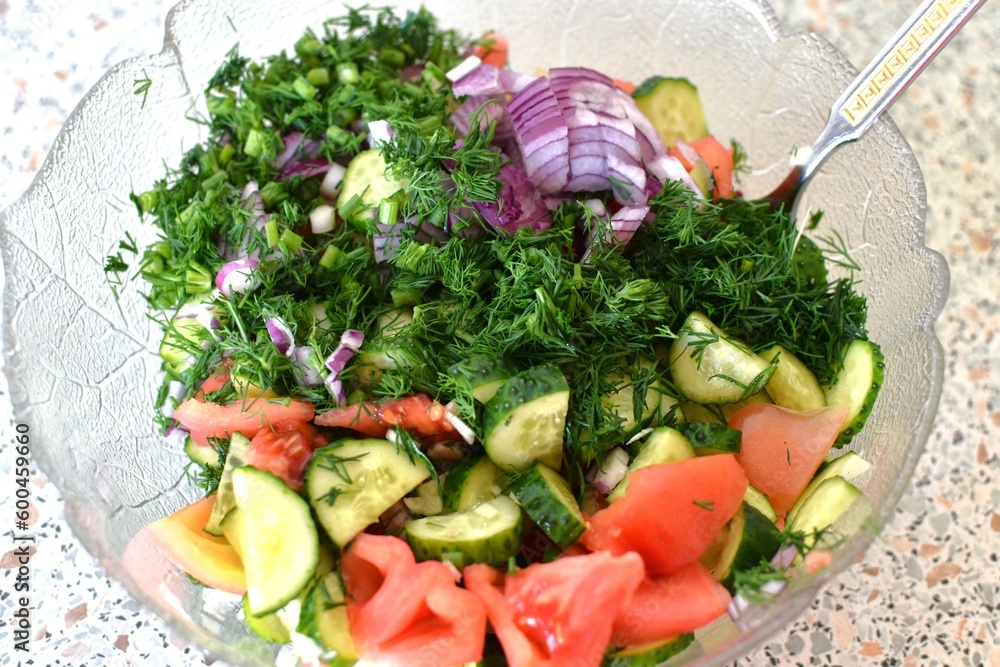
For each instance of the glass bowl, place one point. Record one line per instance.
(81, 356)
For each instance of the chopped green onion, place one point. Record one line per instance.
(147, 201)
(308, 46)
(352, 206)
(220, 105)
(392, 57)
(347, 73)
(318, 76)
(271, 232)
(338, 136)
(388, 211)
(330, 257)
(304, 89)
(213, 181)
(226, 154)
(254, 145)
(199, 279)
(273, 193)
(291, 240)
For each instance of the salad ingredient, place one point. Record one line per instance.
(649, 655)
(710, 438)
(225, 497)
(268, 627)
(547, 499)
(662, 445)
(710, 367)
(716, 159)
(283, 449)
(782, 448)
(324, 620)
(856, 385)
(419, 414)
(211, 560)
(670, 512)
(493, 50)
(750, 538)
(490, 532)
(350, 483)
(611, 472)
(674, 108)
(829, 502)
(406, 613)
(850, 465)
(471, 482)
(206, 420)
(667, 605)
(536, 613)
(759, 502)
(524, 422)
(275, 537)
(792, 385)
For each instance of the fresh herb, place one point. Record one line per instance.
(141, 87)
(209, 476)
(705, 504)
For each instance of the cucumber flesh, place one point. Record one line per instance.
(792, 385)
(368, 179)
(278, 541)
(621, 401)
(490, 532)
(748, 539)
(850, 466)
(759, 502)
(471, 482)
(829, 502)
(481, 376)
(350, 483)
(546, 498)
(856, 385)
(707, 439)
(710, 368)
(203, 455)
(674, 108)
(268, 627)
(324, 619)
(225, 499)
(526, 419)
(662, 445)
(649, 655)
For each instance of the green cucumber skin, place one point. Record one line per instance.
(225, 501)
(761, 539)
(482, 376)
(708, 438)
(648, 655)
(851, 466)
(457, 493)
(546, 510)
(496, 548)
(523, 388)
(878, 375)
(203, 456)
(267, 627)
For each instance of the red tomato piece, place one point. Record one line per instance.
(670, 604)
(283, 449)
(670, 512)
(361, 417)
(211, 420)
(496, 53)
(408, 614)
(559, 613)
(419, 415)
(782, 448)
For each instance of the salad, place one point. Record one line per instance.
(482, 367)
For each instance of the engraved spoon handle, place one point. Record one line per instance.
(885, 78)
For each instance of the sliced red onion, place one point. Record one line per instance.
(380, 132)
(612, 471)
(385, 241)
(350, 342)
(308, 168)
(490, 110)
(280, 335)
(785, 557)
(515, 82)
(460, 426)
(626, 221)
(596, 206)
(536, 106)
(518, 204)
(238, 276)
(175, 435)
(251, 200)
(323, 219)
(462, 69)
(481, 80)
(336, 387)
(668, 168)
(202, 311)
(330, 187)
(306, 366)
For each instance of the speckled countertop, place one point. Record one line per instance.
(927, 594)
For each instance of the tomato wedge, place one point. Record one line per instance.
(283, 449)
(669, 604)
(211, 420)
(425, 418)
(782, 448)
(670, 512)
(558, 613)
(408, 614)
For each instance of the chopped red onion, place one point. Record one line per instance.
(330, 187)
(176, 436)
(596, 207)
(323, 219)
(203, 312)
(460, 426)
(535, 106)
(307, 373)
(251, 200)
(668, 168)
(639, 436)
(626, 221)
(380, 132)
(336, 387)
(280, 335)
(612, 471)
(463, 68)
(238, 276)
(785, 557)
(482, 80)
(518, 205)
(350, 343)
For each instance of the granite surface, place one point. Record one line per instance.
(926, 594)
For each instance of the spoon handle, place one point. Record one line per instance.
(884, 79)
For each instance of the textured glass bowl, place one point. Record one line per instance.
(83, 368)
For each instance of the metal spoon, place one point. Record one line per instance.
(898, 63)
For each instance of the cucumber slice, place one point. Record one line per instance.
(748, 539)
(710, 439)
(367, 178)
(546, 497)
(710, 368)
(350, 483)
(674, 108)
(471, 482)
(808, 262)
(792, 385)
(324, 620)
(856, 385)
(824, 506)
(662, 445)
(268, 627)
(275, 537)
(187, 335)
(649, 655)
(525, 421)
(759, 502)
(850, 466)
(481, 376)
(490, 532)
(621, 401)
(203, 455)
(225, 499)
